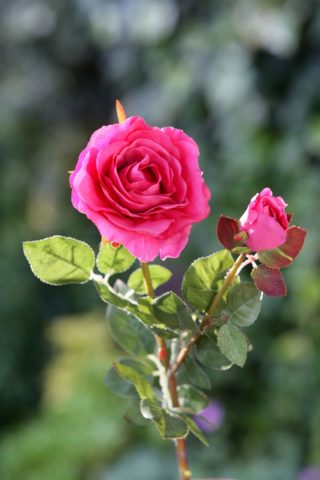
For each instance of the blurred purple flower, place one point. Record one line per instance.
(310, 473)
(211, 418)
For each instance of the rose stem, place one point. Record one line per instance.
(180, 443)
(207, 317)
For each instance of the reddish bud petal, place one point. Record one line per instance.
(284, 255)
(269, 281)
(226, 230)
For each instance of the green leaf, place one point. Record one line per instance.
(143, 366)
(220, 316)
(143, 310)
(109, 295)
(171, 311)
(112, 260)
(244, 303)
(129, 333)
(233, 344)
(195, 374)
(159, 276)
(142, 386)
(192, 399)
(60, 260)
(123, 387)
(118, 295)
(169, 426)
(204, 277)
(195, 429)
(208, 353)
(119, 385)
(133, 412)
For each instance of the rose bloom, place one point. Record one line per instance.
(141, 186)
(265, 221)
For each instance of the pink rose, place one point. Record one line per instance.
(141, 186)
(265, 221)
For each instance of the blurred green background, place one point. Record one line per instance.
(243, 78)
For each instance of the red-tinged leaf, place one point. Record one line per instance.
(226, 230)
(269, 281)
(289, 217)
(284, 255)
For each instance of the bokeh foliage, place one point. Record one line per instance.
(241, 77)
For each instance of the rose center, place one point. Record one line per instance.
(149, 174)
(142, 176)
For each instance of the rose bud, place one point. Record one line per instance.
(265, 221)
(141, 186)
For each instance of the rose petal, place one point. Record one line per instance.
(265, 234)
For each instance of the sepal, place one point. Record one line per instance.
(227, 228)
(284, 255)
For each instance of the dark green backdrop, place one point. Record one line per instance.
(242, 78)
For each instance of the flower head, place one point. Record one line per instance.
(265, 221)
(141, 186)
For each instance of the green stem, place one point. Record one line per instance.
(147, 279)
(180, 443)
